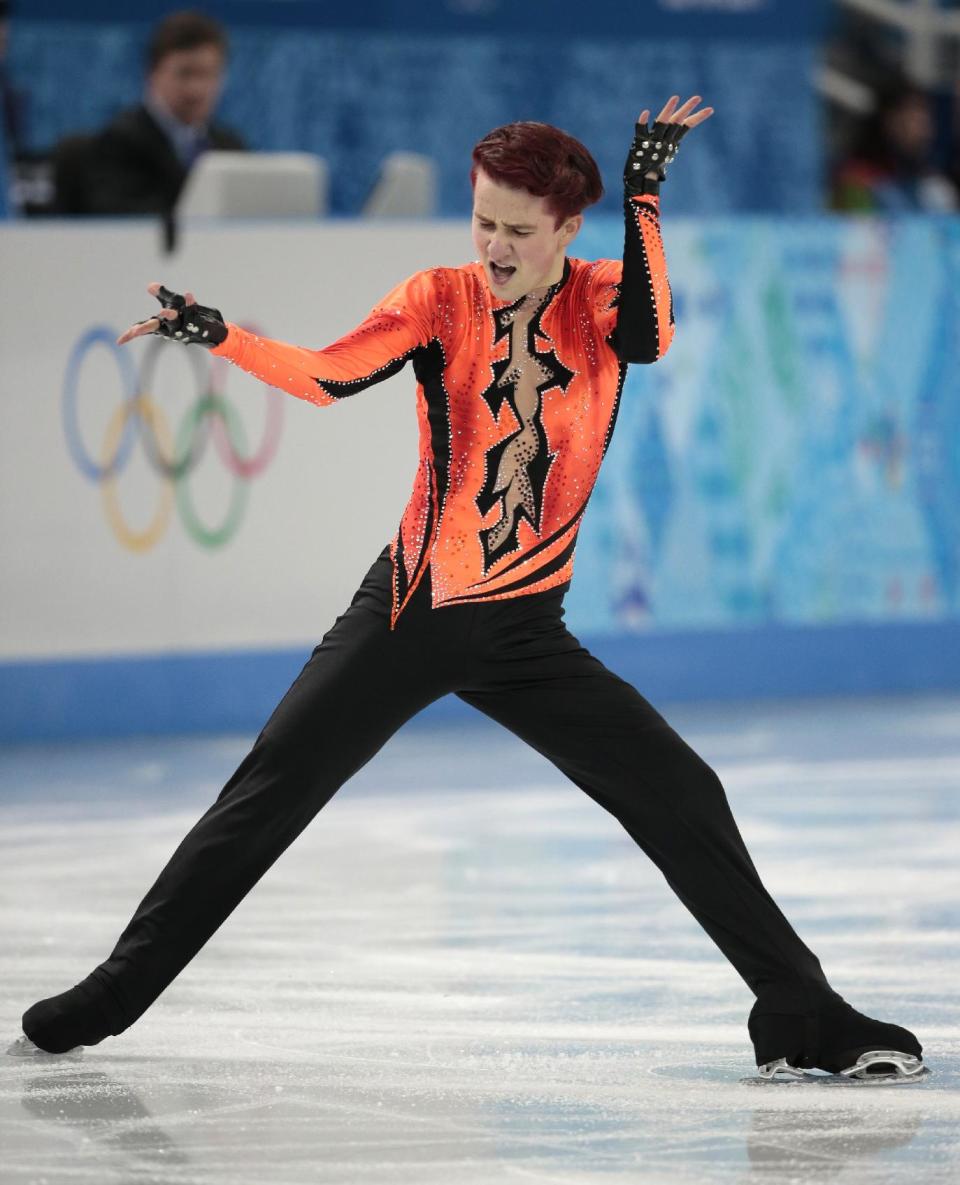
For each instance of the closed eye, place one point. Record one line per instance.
(484, 225)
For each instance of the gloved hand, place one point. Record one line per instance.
(182, 319)
(196, 323)
(653, 149)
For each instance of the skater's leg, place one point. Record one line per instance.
(608, 739)
(359, 686)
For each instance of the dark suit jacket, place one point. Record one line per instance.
(128, 168)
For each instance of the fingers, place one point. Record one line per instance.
(151, 324)
(138, 330)
(155, 288)
(668, 108)
(644, 116)
(682, 112)
(671, 113)
(693, 120)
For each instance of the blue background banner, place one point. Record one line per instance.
(354, 97)
(795, 459)
(778, 513)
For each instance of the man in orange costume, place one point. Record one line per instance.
(520, 359)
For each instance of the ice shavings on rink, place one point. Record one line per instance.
(465, 972)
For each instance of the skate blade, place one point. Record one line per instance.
(876, 1068)
(779, 1073)
(24, 1047)
(884, 1065)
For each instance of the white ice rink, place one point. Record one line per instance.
(465, 973)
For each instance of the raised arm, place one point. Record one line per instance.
(643, 329)
(376, 349)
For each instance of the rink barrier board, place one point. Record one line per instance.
(755, 531)
(788, 463)
(236, 692)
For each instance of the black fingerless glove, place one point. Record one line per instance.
(651, 152)
(195, 324)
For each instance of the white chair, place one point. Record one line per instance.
(406, 188)
(256, 185)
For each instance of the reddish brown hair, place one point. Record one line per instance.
(544, 161)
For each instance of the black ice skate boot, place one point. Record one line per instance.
(834, 1037)
(80, 1016)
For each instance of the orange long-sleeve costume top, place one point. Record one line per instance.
(516, 405)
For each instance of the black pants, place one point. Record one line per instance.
(515, 661)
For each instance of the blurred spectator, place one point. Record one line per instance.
(139, 162)
(890, 168)
(26, 182)
(11, 100)
(4, 182)
(6, 113)
(11, 115)
(952, 122)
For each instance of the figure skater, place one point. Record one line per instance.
(520, 360)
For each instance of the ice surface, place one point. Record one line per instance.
(465, 973)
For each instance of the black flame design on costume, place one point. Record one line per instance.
(516, 468)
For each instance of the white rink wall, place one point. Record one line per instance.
(315, 519)
(776, 514)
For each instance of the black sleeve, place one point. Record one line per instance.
(644, 326)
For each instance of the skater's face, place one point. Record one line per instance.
(517, 238)
(187, 83)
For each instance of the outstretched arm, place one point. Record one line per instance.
(644, 325)
(376, 349)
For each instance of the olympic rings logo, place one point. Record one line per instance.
(173, 457)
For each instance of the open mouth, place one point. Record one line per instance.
(501, 274)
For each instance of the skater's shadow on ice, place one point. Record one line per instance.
(824, 1142)
(107, 1112)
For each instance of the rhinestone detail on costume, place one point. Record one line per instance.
(517, 466)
